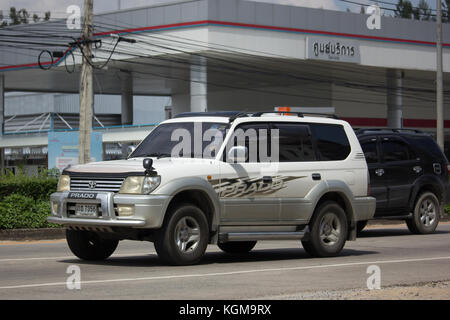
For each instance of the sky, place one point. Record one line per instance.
(58, 7)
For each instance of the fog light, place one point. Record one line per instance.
(55, 208)
(124, 210)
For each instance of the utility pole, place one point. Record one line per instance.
(439, 81)
(2, 121)
(86, 87)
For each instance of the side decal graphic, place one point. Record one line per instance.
(246, 186)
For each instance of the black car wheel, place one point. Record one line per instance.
(328, 231)
(88, 245)
(184, 236)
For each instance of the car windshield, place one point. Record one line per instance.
(183, 139)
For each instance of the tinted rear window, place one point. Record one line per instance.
(426, 146)
(331, 140)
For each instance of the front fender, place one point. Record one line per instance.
(176, 186)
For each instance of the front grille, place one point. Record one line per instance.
(95, 184)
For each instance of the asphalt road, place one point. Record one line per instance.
(38, 270)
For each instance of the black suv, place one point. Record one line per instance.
(408, 176)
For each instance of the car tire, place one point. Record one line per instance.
(328, 231)
(426, 214)
(88, 245)
(184, 236)
(236, 247)
(360, 225)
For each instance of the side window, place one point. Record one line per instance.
(254, 136)
(395, 150)
(295, 143)
(331, 140)
(426, 146)
(370, 151)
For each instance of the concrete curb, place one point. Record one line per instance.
(32, 234)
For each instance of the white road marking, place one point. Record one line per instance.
(227, 273)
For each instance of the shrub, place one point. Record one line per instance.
(19, 212)
(38, 187)
(41, 212)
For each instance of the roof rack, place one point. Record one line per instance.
(299, 114)
(226, 114)
(233, 115)
(396, 130)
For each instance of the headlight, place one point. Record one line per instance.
(63, 183)
(150, 184)
(140, 185)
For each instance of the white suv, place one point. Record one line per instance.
(224, 178)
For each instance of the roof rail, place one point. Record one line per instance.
(226, 114)
(239, 115)
(299, 114)
(396, 130)
(233, 115)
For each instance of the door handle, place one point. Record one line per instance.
(417, 169)
(379, 172)
(267, 179)
(316, 176)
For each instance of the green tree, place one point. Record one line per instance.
(424, 10)
(2, 20)
(445, 11)
(404, 9)
(23, 16)
(13, 16)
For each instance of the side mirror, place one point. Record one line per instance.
(238, 154)
(148, 165)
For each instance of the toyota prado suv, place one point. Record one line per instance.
(224, 178)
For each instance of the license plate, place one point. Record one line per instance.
(86, 210)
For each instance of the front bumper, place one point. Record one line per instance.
(364, 208)
(148, 210)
